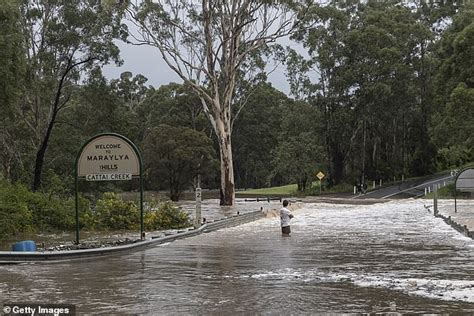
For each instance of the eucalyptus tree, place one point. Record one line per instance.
(175, 155)
(63, 40)
(452, 125)
(11, 79)
(300, 151)
(256, 134)
(210, 45)
(324, 33)
(131, 89)
(366, 57)
(389, 43)
(173, 104)
(94, 108)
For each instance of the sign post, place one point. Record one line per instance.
(464, 182)
(108, 157)
(197, 221)
(320, 176)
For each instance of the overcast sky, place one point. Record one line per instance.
(147, 61)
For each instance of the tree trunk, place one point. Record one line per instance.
(338, 167)
(221, 123)
(363, 154)
(174, 195)
(55, 109)
(227, 171)
(41, 153)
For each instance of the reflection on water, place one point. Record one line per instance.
(340, 258)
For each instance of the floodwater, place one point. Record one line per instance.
(210, 208)
(391, 257)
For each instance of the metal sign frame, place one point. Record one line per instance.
(76, 178)
(456, 188)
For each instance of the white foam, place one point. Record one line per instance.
(449, 290)
(445, 289)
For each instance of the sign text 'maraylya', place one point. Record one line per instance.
(107, 157)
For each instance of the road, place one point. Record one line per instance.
(409, 188)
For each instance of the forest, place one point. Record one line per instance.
(379, 91)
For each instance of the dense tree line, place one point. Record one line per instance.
(381, 90)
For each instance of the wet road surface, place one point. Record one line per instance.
(340, 258)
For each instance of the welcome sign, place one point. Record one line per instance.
(108, 158)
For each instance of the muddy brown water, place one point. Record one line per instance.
(392, 257)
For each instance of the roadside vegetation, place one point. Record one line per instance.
(23, 211)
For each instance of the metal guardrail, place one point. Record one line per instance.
(12, 257)
(460, 228)
(263, 199)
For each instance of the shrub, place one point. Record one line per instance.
(165, 215)
(453, 156)
(51, 212)
(447, 192)
(112, 212)
(24, 211)
(15, 215)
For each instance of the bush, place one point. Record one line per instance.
(112, 212)
(50, 212)
(165, 216)
(24, 211)
(447, 192)
(453, 156)
(15, 215)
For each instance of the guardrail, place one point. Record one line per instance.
(460, 228)
(12, 257)
(263, 199)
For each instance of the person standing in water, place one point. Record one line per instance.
(285, 217)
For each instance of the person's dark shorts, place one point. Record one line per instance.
(286, 230)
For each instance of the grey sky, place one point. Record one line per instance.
(147, 61)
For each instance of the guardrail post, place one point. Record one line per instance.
(435, 201)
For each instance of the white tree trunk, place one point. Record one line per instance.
(227, 176)
(223, 132)
(209, 52)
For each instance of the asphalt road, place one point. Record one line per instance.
(409, 188)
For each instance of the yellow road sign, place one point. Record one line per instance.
(320, 175)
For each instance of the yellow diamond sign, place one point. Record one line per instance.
(320, 175)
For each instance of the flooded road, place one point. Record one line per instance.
(340, 258)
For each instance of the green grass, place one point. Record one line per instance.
(292, 189)
(289, 189)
